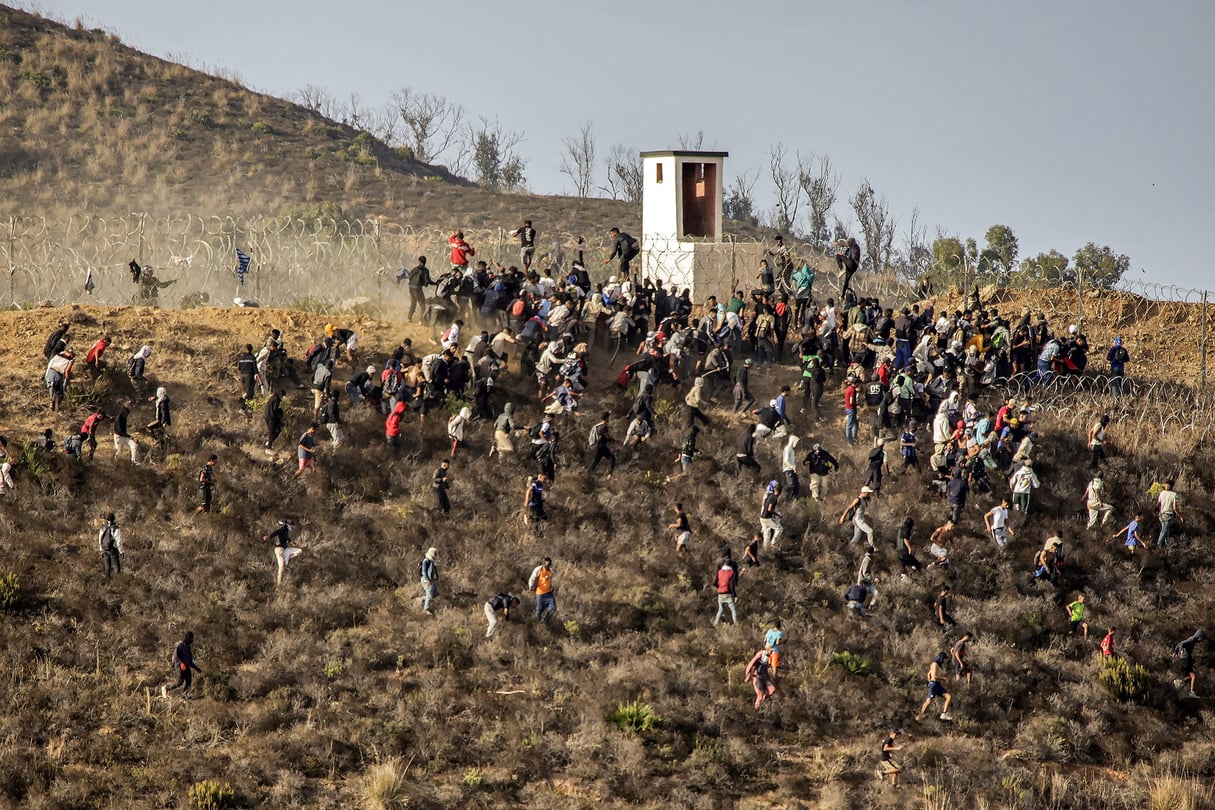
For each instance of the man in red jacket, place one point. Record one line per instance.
(392, 427)
(461, 251)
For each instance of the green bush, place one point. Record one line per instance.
(262, 128)
(201, 118)
(211, 795)
(10, 590)
(855, 664)
(636, 717)
(38, 79)
(10, 55)
(1123, 680)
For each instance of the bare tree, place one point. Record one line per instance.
(820, 184)
(624, 174)
(578, 160)
(739, 204)
(384, 123)
(692, 142)
(317, 99)
(788, 189)
(433, 125)
(493, 159)
(877, 226)
(917, 253)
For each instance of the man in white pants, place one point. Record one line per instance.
(503, 602)
(283, 550)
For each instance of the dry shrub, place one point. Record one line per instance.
(384, 787)
(1171, 792)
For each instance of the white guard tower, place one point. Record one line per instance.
(681, 222)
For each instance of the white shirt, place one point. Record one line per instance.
(999, 517)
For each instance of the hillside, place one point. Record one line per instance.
(335, 690)
(92, 126)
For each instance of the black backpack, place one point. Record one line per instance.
(109, 544)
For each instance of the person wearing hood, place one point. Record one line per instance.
(455, 429)
(788, 466)
(1117, 357)
(769, 515)
(503, 427)
(392, 427)
(164, 411)
(696, 399)
(137, 364)
(273, 416)
(1184, 653)
(428, 576)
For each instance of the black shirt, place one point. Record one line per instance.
(281, 536)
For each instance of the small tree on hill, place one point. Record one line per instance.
(1100, 267)
(785, 179)
(624, 175)
(820, 184)
(739, 204)
(998, 259)
(578, 159)
(1044, 270)
(432, 124)
(495, 163)
(877, 226)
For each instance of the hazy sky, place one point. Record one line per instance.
(1068, 121)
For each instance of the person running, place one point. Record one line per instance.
(183, 665)
(1094, 501)
(726, 580)
(1022, 482)
(89, 429)
(206, 484)
(942, 609)
(758, 672)
(600, 441)
(681, 529)
(1075, 615)
(163, 413)
(889, 767)
(996, 521)
(109, 542)
(902, 545)
(1167, 511)
(744, 451)
(501, 602)
(769, 515)
(1096, 441)
(936, 688)
(284, 549)
(820, 463)
(856, 512)
(418, 279)
(246, 367)
(273, 417)
(533, 500)
(527, 243)
(960, 652)
(1107, 644)
(541, 584)
(392, 427)
(439, 484)
(1130, 533)
(504, 425)
(1184, 653)
(428, 576)
(624, 246)
(773, 639)
(122, 435)
(306, 450)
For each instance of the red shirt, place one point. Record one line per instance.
(90, 424)
(1107, 644)
(850, 397)
(95, 353)
(460, 251)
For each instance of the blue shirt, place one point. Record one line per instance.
(780, 409)
(773, 638)
(1131, 529)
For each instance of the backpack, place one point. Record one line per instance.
(108, 544)
(315, 351)
(852, 510)
(595, 434)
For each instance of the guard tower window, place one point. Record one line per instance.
(658, 172)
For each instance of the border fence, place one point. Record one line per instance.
(352, 264)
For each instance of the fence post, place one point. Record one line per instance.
(12, 268)
(141, 219)
(1203, 345)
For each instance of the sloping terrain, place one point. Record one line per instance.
(335, 690)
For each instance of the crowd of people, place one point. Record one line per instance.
(913, 377)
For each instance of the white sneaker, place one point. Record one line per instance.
(946, 716)
(1193, 694)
